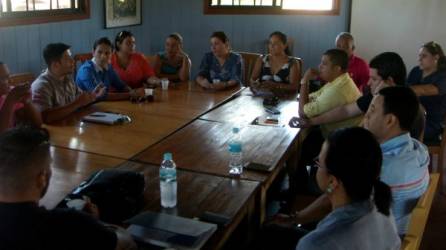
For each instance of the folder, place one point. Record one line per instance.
(170, 231)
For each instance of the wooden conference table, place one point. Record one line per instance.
(195, 125)
(197, 193)
(202, 145)
(151, 122)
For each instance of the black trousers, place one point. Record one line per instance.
(310, 148)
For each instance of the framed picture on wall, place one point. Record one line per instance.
(119, 13)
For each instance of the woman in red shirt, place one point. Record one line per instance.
(131, 66)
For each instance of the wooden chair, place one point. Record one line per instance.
(151, 59)
(20, 78)
(301, 64)
(438, 148)
(420, 124)
(419, 216)
(79, 59)
(249, 60)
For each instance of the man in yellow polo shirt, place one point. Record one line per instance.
(339, 90)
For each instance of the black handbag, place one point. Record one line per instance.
(118, 194)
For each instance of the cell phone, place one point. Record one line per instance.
(258, 167)
(273, 119)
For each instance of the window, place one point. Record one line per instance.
(277, 7)
(18, 12)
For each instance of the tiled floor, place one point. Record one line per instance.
(435, 233)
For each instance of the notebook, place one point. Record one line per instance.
(170, 231)
(106, 118)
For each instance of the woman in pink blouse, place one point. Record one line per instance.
(131, 66)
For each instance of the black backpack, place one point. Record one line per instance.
(119, 194)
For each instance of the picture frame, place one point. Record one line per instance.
(118, 13)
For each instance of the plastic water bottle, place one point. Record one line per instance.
(168, 182)
(235, 151)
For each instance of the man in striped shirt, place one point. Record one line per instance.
(405, 160)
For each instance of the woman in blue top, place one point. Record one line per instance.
(428, 81)
(220, 68)
(276, 70)
(173, 63)
(349, 175)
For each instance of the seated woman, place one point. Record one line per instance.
(15, 103)
(173, 63)
(428, 81)
(99, 71)
(220, 68)
(277, 71)
(349, 175)
(131, 66)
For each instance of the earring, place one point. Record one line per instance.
(329, 189)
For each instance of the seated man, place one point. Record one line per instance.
(339, 90)
(54, 91)
(386, 69)
(23, 181)
(15, 103)
(405, 160)
(99, 71)
(357, 67)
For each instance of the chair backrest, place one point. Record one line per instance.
(301, 64)
(79, 59)
(249, 60)
(419, 216)
(20, 78)
(417, 130)
(151, 59)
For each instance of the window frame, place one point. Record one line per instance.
(46, 16)
(265, 10)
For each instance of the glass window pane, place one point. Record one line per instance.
(226, 2)
(214, 3)
(278, 2)
(247, 2)
(3, 6)
(76, 4)
(43, 4)
(18, 5)
(63, 4)
(265, 2)
(307, 4)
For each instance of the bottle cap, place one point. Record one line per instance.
(235, 130)
(167, 156)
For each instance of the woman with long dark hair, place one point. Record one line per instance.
(130, 65)
(349, 175)
(277, 70)
(428, 81)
